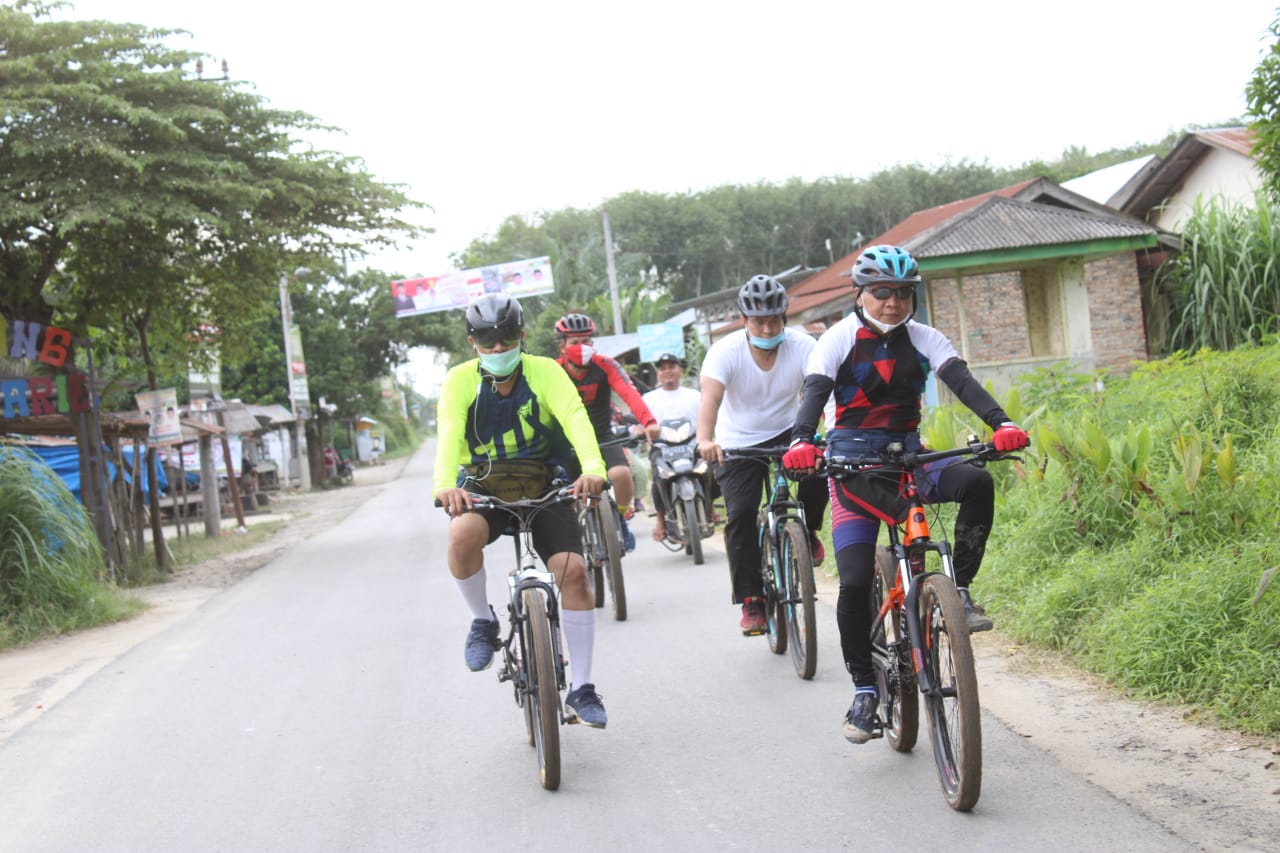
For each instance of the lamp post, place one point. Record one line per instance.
(299, 397)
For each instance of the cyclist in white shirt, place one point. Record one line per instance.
(751, 383)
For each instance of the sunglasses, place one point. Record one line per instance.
(884, 293)
(489, 338)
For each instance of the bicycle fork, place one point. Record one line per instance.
(906, 596)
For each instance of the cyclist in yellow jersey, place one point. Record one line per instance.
(502, 418)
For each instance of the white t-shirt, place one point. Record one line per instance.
(757, 404)
(671, 405)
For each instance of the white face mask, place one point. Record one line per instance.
(884, 328)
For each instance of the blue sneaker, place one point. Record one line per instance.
(628, 538)
(482, 641)
(585, 707)
(860, 721)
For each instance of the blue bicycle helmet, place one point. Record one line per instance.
(885, 265)
(762, 296)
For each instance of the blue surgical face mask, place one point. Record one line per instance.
(767, 343)
(500, 364)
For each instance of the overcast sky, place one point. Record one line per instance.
(484, 110)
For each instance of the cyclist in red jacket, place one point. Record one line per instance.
(598, 377)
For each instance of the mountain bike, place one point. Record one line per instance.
(532, 659)
(920, 644)
(786, 564)
(602, 540)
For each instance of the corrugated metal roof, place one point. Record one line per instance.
(1165, 179)
(1003, 223)
(272, 414)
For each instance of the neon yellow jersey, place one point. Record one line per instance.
(474, 423)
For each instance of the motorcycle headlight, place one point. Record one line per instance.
(700, 467)
(666, 473)
(682, 466)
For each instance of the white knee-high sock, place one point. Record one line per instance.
(580, 637)
(474, 594)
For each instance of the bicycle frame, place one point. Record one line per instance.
(789, 585)
(929, 607)
(532, 657)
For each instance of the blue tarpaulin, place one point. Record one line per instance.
(65, 462)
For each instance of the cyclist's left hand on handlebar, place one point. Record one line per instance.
(1010, 437)
(587, 485)
(802, 458)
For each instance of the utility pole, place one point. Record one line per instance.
(299, 423)
(613, 276)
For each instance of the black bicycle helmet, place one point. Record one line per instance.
(889, 265)
(575, 324)
(762, 296)
(494, 316)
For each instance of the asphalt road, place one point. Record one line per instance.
(322, 704)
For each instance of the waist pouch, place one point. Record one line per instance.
(508, 479)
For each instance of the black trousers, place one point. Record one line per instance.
(742, 482)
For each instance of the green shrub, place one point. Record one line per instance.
(1138, 531)
(50, 560)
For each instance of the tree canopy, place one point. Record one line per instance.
(155, 208)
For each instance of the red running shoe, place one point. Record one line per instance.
(816, 550)
(753, 621)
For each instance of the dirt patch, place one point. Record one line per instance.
(1216, 789)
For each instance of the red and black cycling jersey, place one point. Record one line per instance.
(595, 381)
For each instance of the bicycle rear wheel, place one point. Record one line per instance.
(955, 727)
(899, 695)
(611, 570)
(543, 697)
(802, 620)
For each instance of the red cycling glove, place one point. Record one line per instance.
(1010, 437)
(801, 456)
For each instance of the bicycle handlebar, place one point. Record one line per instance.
(981, 451)
(756, 452)
(481, 501)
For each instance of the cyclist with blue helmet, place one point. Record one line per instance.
(875, 362)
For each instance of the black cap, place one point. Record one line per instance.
(668, 356)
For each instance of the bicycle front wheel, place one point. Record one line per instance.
(800, 597)
(775, 613)
(611, 571)
(692, 529)
(593, 552)
(544, 693)
(899, 696)
(955, 725)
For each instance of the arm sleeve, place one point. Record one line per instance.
(817, 388)
(621, 385)
(451, 423)
(955, 373)
(565, 403)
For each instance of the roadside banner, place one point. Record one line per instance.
(161, 411)
(659, 338)
(528, 277)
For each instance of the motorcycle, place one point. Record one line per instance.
(680, 473)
